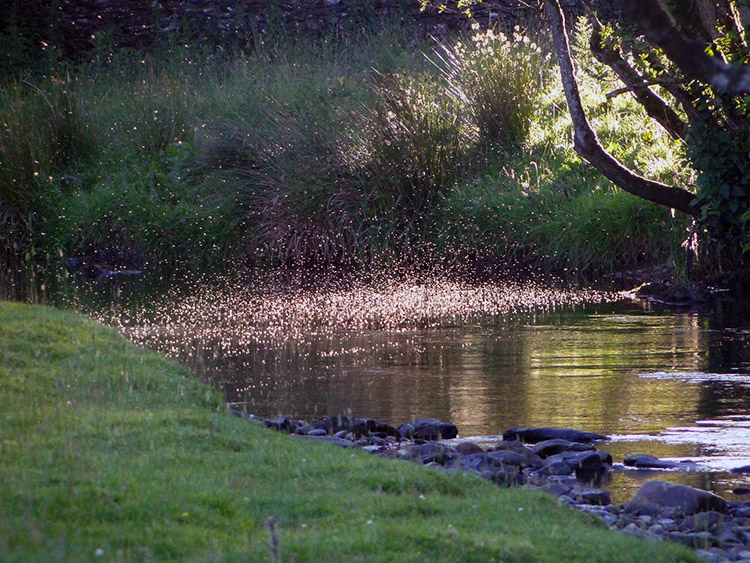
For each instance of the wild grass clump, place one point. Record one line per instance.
(274, 161)
(44, 130)
(417, 139)
(499, 78)
(111, 452)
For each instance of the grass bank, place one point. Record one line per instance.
(374, 148)
(111, 452)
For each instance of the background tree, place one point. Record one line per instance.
(686, 65)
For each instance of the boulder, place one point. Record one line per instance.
(547, 448)
(743, 469)
(540, 434)
(654, 497)
(428, 429)
(644, 461)
(467, 448)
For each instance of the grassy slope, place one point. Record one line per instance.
(105, 446)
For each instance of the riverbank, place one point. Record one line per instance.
(378, 150)
(113, 452)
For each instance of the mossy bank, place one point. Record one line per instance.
(112, 452)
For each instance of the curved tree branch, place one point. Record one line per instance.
(655, 105)
(689, 56)
(587, 144)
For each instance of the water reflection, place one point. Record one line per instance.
(487, 357)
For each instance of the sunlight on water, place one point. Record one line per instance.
(235, 316)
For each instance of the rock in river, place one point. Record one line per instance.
(428, 429)
(540, 434)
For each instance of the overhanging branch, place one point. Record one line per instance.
(656, 107)
(689, 56)
(587, 144)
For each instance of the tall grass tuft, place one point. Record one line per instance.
(498, 78)
(417, 140)
(43, 129)
(276, 167)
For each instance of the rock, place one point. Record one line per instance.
(553, 467)
(281, 423)
(710, 521)
(328, 440)
(540, 434)
(743, 469)
(644, 461)
(468, 448)
(317, 432)
(508, 457)
(554, 446)
(428, 429)
(473, 462)
(742, 511)
(435, 452)
(580, 461)
(740, 491)
(697, 540)
(532, 460)
(655, 496)
(588, 495)
(554, 488)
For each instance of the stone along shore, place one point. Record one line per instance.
(560, 461)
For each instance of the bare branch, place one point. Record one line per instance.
(587, 144)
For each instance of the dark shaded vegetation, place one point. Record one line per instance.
(350, 152)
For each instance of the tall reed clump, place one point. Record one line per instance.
(498, 79)
(44, 129)
(272, 159)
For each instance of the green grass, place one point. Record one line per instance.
(111, 452)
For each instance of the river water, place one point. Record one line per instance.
(670, 383)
